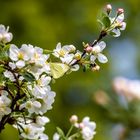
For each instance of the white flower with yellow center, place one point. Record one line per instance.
(41, 88)
(62, 51)
(96, 53)
(20, 56)
(31, 131)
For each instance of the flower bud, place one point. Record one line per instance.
(88, 49)
(77, 56)
(96, 68)
(81, 125)
(108, 8)
(74, 119)
(120, 11)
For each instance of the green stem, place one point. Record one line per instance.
(67, 135)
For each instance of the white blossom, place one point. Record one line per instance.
(5, 36)
(88, 129)
(20, 56)
(128, 88)
(120, 25)
(9, 75)
(67, 58)
(4, 104)
(56, 136)
(39, 106)
(96, 53)
(43, 137)
(62, 51)
(41, 120)
(12, 65)
(31, 131)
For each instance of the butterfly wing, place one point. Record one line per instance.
(58, 69)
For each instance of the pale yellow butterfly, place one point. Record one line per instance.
(58, 69)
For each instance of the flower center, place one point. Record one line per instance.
(20, 55)
(62, 52)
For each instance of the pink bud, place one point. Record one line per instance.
(81, 125)
(108, 8)
(73, 119)
(88, 49)
(120, 11)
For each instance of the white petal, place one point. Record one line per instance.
(102, 58)
(7, 37)
(56, 136)
(25, 50)
(13, 54)
(123, 26)
(75, 68)
(120, 18)
(58, 46)
(67, 58)
(2, 28)
(37, 104)
(38, 50)
(69, 48)
(12, 65)
(92, 58)
(102, 45)
(117, 32)
(20, 64)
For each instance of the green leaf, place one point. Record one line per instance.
(6, 47)
(47, 51)
(103, 14)
(3, 54)
(60, 132)
(106, 21)
(112, 33)
(100, 22)
(58, 69)
(28, 76)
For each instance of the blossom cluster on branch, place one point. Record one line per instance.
(27, 72)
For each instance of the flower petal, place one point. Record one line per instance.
(120, 18)
(102, 58)
(20, 64)
(75, 68)
(123, 26)
(13, 52)
(117, 32)
(92, 58)
(102, 45)
(2, 28)
(58, 46)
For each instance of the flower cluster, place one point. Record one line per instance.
(27, 73)
(128, 88)
(113, 25)
(29, 69)
(86, 129)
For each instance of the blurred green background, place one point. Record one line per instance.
(44, 23)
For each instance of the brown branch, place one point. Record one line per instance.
(102, 34)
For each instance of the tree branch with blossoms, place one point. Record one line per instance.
(26, 74)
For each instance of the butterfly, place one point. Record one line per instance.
(58, 69)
